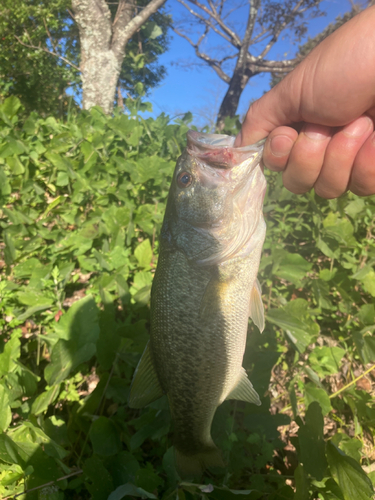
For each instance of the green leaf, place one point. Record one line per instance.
(143, 254)
(313, 393)
(5, 412)
(78, 331)
(5, 188)
(101, 480)
(32, 310)
(326, 360)
(365, 346)
(367, 314)
(62, 179)
(44, 399)
(341, 229)
(349, 475)
(9, 451)
(10, 252)
(11, 352)
(368, 283)
(58, 161)
(295, 320)
(11, 147)
(127, 490)
(10, 106)
(301, 484)
(32, 440)
(34, 298)
(152, 30)
(354, 207)
(15, 165)
(351, 446)
(290, 266)
(65, 357)
(328, 247)
(104, 437)
(311, 440)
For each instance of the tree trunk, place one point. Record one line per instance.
(242, 72)
(231, 99)
(103, 44)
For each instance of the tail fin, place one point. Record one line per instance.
(193, 466)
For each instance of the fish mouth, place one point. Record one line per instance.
(218, 151)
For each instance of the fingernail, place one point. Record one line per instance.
(316, 132)
(358, 127)
(280, 145)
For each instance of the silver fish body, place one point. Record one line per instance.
(203, 292)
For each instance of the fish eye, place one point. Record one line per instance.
(184, 179)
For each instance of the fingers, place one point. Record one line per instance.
(362, 180)
(306, 158)
(341, 155)
(330, 160)
(278, 147)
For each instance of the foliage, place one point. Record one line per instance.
(41, 80)
(37, 78)
(141, 58)
(81, 207)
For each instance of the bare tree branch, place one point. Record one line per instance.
(276, 69)
(213, 63)
(207, 22)
(44, 49)
(265, 22)
(71, 14)
(123, 32)
(254, 6)
(49, 35)
(278, 30)
(289, 63)
(236, 41)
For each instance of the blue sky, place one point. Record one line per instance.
(199, 89)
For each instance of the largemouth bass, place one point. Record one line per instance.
(204, 290)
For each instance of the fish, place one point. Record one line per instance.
(204, 290)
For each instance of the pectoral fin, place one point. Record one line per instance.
(145, 386)
(212, 296)
(256, 306)
(244, 390)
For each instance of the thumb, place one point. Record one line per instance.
(272, 110)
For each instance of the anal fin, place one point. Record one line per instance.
(244, 390)
(256, 312)
(145, 387)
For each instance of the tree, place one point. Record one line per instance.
(307, 47)
(103, 41)
(30, 32)
(41, 50)
(247, 47)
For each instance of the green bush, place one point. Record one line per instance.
(81, 206)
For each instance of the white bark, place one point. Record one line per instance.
(103, 45)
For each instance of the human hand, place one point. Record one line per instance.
(330, 99)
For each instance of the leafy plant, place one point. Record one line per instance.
(81, 206)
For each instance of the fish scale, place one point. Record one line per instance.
(203, 292)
